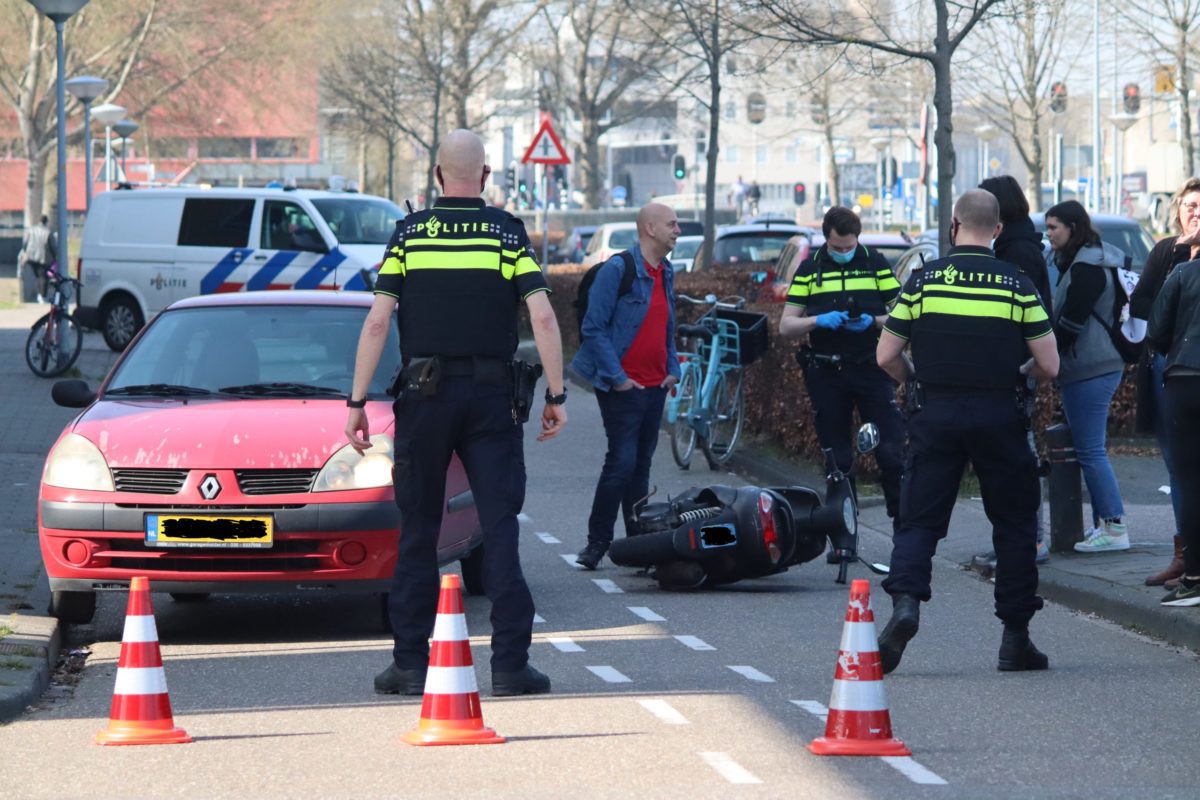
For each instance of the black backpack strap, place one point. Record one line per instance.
(630, 273)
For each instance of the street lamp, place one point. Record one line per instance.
(1122, 122)
(125, 128)
(108, 114)
(985, 133)
(881, 144)
(86, 89)
(60, 11)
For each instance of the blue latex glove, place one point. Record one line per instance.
(832, 320)
(860, 323)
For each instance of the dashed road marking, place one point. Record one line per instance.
(752, 674)
(646, 614)
(917, 773)
(695, 642)
(565, 644)
(609, 675)
(538, 618)
(570, 559)
(814, 708)
(523, 517)
(664, 711)
(607, 586)
(548, 538)
(729, 769)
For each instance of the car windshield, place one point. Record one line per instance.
(685, 250)
(251, 351)
(360, 220)
(890, 252)
(1133, 240)
(757, 246)
(622, 239)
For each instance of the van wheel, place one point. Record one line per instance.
(75, 608)
(120, 320)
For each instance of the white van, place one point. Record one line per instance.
(143, 249)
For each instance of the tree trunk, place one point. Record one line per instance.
(1036, 163)
(391, 168)
(35, 188)
(714, 127)
(591, 171)
(830, 167)
(435, 141)
(943, 135)
(1183, 87)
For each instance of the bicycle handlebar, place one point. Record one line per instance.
(711, 300)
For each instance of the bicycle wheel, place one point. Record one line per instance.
(728, 406)
(53, 345)
(683, 435)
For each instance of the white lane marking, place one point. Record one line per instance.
(729, 769)
(752, 674)
(607, 586)
(646, 614)
(547, 538)
(538, 618)
(570, 559)
(565, 644)
(695, 642)
(917, 773)
(664, 711)
(609, 675)
(813, 707)
(523, 517)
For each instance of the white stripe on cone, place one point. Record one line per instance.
(141, 680)
(450, 680)
(858, 696)
(859, 637)
(140, 629)
(450, 628)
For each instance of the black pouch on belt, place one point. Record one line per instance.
(423, 375)
(524, 381)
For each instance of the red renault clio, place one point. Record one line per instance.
(213, 459)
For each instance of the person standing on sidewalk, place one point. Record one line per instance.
(39, 250)
(1175, 332)
(1151, 392)
(1091, 366)
(971, 320)
(628, 354)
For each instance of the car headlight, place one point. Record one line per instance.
(348, 470)
(76, 463)
(849, 517)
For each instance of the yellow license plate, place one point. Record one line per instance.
(231, 531)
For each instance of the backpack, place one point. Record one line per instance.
(1127, 333)
(589, 277)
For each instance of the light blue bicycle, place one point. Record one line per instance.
(706, 407)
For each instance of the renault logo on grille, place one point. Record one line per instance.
(210, 487)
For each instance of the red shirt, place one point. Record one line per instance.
(646, 359)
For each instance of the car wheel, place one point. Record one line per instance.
(120, 320)
(472, 571)
(75, 608)
(189, 597)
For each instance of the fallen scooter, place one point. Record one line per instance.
(717, 534)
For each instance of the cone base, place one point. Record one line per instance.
(824, 746)
(118, 734)
(429, 735)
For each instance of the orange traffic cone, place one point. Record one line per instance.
(450, 712)
(141, 707)
(859, 723)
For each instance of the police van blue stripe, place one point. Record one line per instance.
(262, 279)
(355, 284)
(223, 269)
(313, 278)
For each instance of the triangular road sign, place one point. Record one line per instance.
(546, 147)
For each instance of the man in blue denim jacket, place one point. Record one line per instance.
(628, 355)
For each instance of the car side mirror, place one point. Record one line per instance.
(72, 394)
(867, 439)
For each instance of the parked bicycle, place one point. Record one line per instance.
(55, 340)
(706, 407)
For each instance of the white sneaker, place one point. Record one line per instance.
(1108, 539)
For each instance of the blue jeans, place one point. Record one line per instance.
(631, 422)
(1158, 363)
(1086, 405)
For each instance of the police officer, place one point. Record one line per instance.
(457, 271)
(970, 319)
(839, 299)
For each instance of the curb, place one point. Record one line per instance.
(35, 643)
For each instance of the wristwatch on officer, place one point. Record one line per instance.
(352, 403)
(556, 399)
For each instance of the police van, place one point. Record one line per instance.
(143, 249)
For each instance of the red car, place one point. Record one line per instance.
(213, 459)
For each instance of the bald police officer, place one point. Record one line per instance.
(457, 272)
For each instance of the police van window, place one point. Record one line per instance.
(287, 226)
(359, 220)
(216, 222)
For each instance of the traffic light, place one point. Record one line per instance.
(680, 167)
(1058, 97)
(522, 185)
(510, 177)
(1133, 98)
(799, 194)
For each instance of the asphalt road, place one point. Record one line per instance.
(656, 694)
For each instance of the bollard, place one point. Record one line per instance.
(1066, 494)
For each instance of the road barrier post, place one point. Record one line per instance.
(1066, 495)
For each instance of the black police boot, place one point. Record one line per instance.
(394, 680)
(906, 618)
(1018, 653)
(589, 557)
(524, 681)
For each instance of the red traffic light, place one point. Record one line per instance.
(1058, 97)
(799, 193)
(1133, 98)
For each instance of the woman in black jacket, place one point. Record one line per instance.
(1166, 255)
(1175, 332)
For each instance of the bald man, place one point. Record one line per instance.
(457, 273)
(627, 353)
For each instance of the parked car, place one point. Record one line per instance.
(751, 244)
(212, 458)
(686, 248)
(799, 248)
(575, 244)
(608, 240)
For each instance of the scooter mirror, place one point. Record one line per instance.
(868, 438)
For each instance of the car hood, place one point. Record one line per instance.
(222, 433)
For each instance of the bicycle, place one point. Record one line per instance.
(55, 340)
(707, 406)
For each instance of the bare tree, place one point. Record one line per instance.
(896, 30)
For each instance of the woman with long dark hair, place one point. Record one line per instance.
(1091, 367)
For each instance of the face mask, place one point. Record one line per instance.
(841, 258)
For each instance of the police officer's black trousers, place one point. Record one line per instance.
(943, 436)
(834, 393)
(475, 421)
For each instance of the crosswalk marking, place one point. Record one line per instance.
(729, 769)
(646, 614)
(607, 586)
(570, 559)
(695, 642)
(752, 674)
(609, 675)
(538, 618)
(917, 773)
(565, 644)
(548, 538)
(664, 711)
(814, 708)
(523, 517)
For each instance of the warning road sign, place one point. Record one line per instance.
(546, 147)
